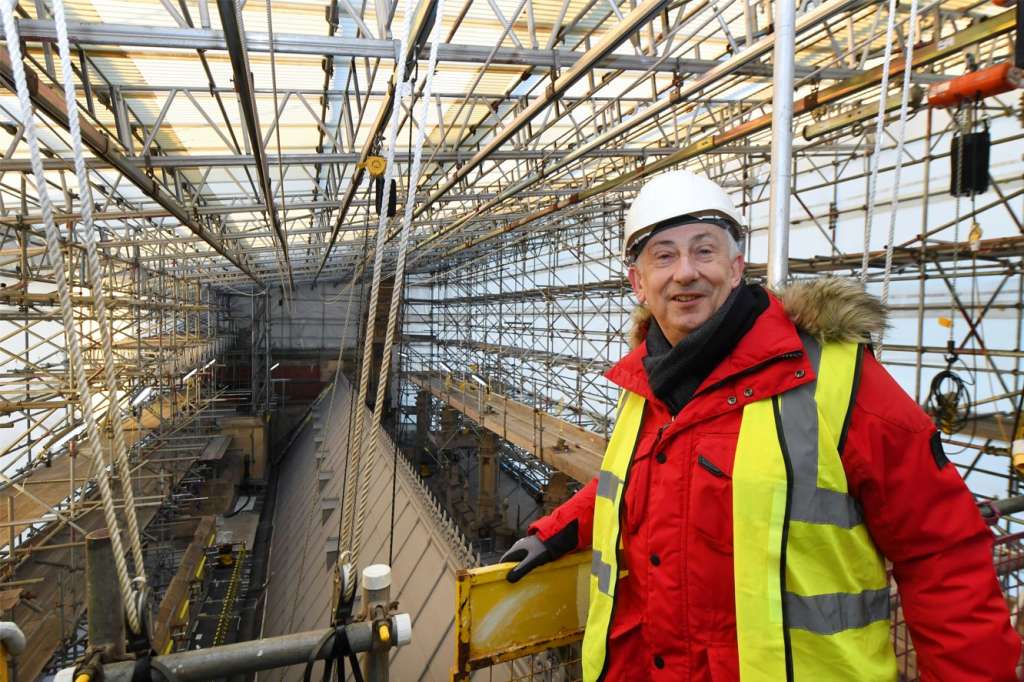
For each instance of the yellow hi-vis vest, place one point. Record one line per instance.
(812, 594)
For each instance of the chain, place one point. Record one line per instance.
(958, 172)
(286, 283)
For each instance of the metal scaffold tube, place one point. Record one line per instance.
(103, 600)
(243, 658)
(782, 142)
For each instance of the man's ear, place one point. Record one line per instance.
(636, 282)
(737, 266)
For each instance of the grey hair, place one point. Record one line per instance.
(735, 249)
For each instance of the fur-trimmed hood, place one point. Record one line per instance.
(829, 308)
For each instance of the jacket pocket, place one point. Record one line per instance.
(709, 576)
(724, 663)
(711, 492)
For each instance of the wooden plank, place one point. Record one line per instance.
(52, 484)
(9, 598)
(177, 591)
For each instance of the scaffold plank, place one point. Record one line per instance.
(571, 449)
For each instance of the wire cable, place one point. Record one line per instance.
(286, 285)
(948, 401)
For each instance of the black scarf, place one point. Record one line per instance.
(674, 373)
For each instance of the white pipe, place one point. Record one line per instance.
(782, 142)
(12, 637)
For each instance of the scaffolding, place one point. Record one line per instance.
(227, 153)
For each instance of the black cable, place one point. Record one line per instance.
(948, 401)
(337, 652)
(315, 654)
(241, 508)
(397, 435)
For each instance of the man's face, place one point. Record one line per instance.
(683, 275)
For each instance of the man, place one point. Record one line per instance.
(762, 469)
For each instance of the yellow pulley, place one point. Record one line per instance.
(374, 165)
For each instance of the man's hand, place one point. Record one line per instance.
(530, 552)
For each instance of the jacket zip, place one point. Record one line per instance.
(710, 466)
(633, 524)
(633, 521)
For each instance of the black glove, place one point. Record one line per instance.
(530, 552)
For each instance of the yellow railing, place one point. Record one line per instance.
(497, 621)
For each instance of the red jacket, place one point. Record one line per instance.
(676, 604)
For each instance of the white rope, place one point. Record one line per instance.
(96, 285)
(883, 92)
(422, 120)
(901, 138)
(958, 120)
(56, 258)
(355, 449)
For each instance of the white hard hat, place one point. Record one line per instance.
(668, 197)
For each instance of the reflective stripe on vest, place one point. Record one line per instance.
(812, 596)
(604, 568)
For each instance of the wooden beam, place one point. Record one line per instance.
(174, 603)
(571, 449)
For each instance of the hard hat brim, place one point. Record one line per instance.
(641, 238)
